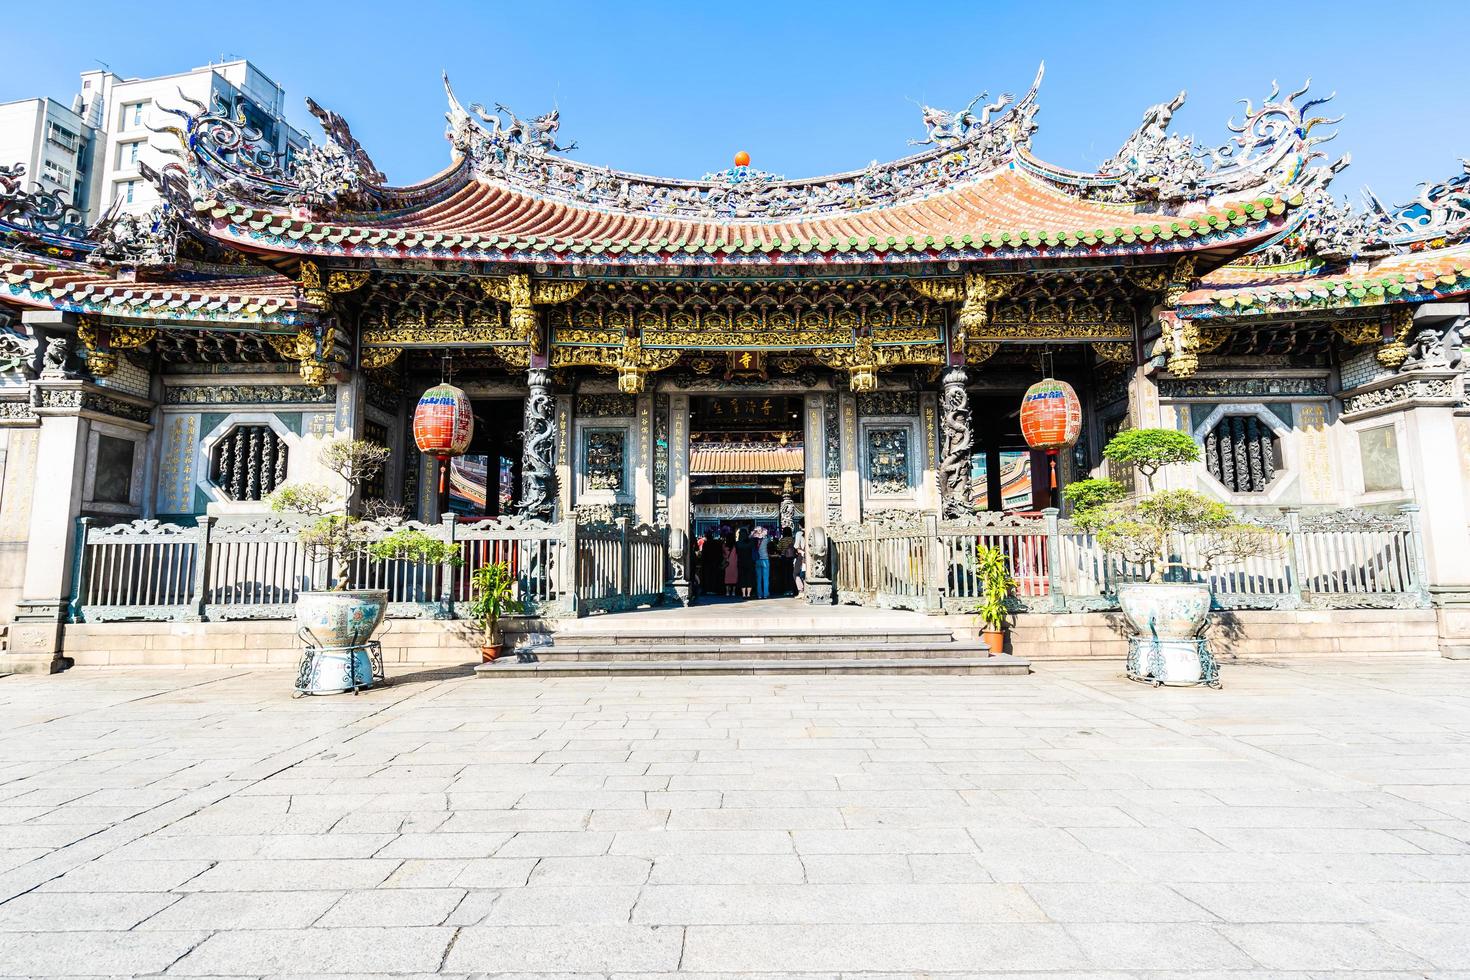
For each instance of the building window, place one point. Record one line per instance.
(248, 462)
(126, 191)
(1241, 451)
(128, 153)
(1378, 449)
(56, 173)
(133, 114)
(62, 137)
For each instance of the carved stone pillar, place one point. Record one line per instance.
(538, 447)
(956, 494)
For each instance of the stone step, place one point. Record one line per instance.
(866, 649)
(748, 636)
(508, 667)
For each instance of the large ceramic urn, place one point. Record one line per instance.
(340, 624)
(1167, 620)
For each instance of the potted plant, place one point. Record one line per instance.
(995, 583)
(492, 596)
(1167, 617)
(340, 617)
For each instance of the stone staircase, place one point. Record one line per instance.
(772, 636)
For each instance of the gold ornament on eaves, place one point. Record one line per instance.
(1114, 352)
(442, 325)
(1398, 324)
(102, 354)
(523, 295)
(743, 323)
(346, 280)
(632, 361)
(1360, 333)
(314, 363)
(980, 351)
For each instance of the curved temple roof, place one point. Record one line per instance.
(974, 192)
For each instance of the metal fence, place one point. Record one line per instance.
(1340, 559)
(253, 568)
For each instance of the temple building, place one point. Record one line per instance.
(839, 352)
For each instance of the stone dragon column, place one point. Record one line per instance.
(957, 434)
(538, 447)
(521, 294)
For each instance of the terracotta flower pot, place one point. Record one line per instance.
(995, 640)
(490, 652)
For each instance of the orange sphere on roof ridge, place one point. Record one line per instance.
(742, 159)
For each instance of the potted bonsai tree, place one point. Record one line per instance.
(995, 583)
(492, 596)
(340, 617)
(1167, 617)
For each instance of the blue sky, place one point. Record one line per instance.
(676, 88)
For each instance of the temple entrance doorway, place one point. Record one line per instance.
(746, 466)
(486, 480)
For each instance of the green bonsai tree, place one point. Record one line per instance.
(996, 584)
(1150, 450)
(1093, 492)
(335, 537)
(1142, 530)
(492, 595)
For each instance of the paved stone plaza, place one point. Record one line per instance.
(1313, 817)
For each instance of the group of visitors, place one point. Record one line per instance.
(751, 562)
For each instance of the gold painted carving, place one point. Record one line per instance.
(632, 361)
(302, 348)
(860, 361)
(940, 290)
(1359, 334)
(980, 351)
(1181, 341)
(523, 296)
(410, 327)
(309, 281)
(377, 357)
(1180, 279)
(102, 353)
(1394, 351)
(346, 281)
(1149, 280)
(1114, 352)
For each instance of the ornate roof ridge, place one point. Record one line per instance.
(522, 154)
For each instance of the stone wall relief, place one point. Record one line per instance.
(891, 452)
(605, 455)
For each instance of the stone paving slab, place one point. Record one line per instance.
(1310, 820)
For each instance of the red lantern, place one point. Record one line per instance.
(742, 159)
(1051, 415)
(443, 424)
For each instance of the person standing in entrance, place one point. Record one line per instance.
(731, 566)
(798, 564)
(745, 556)
(762, 563)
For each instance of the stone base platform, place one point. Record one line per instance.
(778, 630)
(1243, 633)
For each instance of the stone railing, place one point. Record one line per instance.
(1344, 559)
(253, 568)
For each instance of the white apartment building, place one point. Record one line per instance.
(49, 139)
(110, 120)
